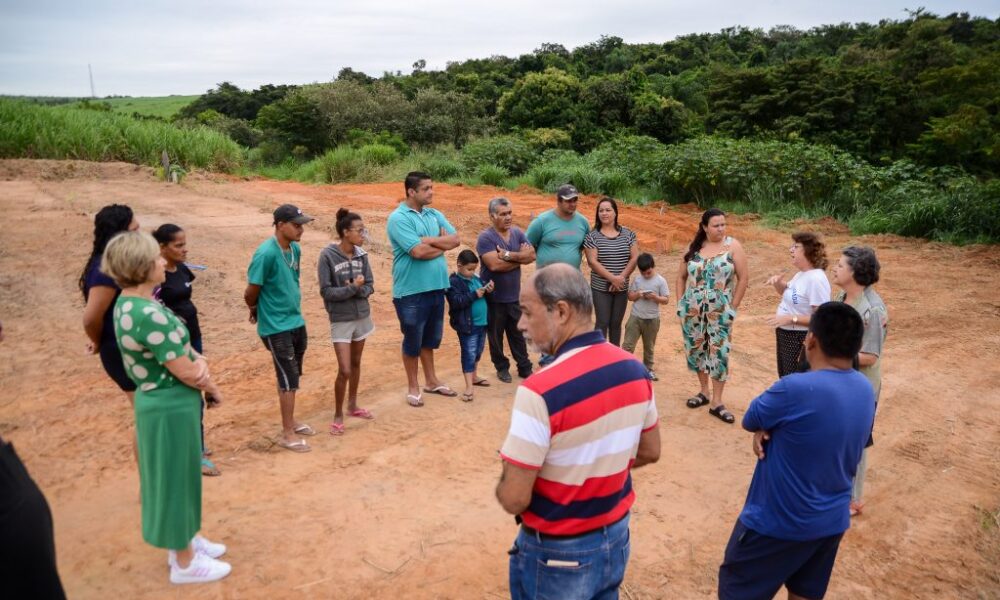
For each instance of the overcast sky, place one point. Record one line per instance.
(153, 48)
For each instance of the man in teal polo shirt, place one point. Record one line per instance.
(274, 299)
(558, 234)
(420, 236)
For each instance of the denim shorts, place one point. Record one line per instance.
(472, 347)
(421, 319)
(288, 348)
(756, 565)
(587, 566)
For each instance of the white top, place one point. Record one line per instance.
(644, 308)
(806, 290)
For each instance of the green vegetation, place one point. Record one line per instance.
(889, 127)
(31, 131)
(164, 107)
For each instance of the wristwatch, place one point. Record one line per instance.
(506, 255)
(795, 320)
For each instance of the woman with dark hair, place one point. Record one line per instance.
(713, 279)
(856, 272)
(346, 282)
(175, 294)
(611, 252)
(800, 296)
(100, 293)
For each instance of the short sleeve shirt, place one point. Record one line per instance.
(612, 253)
(276, 271)
(805, 290)
(95, 277)
(410, 275)
(557, 240)
(149, 335)
(507, 284)
(648, 309)
(876, 321)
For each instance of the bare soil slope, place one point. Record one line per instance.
(403, 506)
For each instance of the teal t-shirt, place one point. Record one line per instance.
(405, 227)
(479, 304)
(557, 240)
(277, 273)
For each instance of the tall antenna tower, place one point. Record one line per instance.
(91, 71)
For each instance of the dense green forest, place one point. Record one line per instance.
(893, 126)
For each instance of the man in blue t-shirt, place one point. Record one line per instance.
(809, 431)
(558, 234)
(502, 249)
(275, 302)
(420, 235)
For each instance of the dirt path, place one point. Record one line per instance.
(403, 506)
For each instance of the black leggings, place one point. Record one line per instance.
(609, 310)
(27, 545)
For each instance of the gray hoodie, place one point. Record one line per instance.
(343, 300)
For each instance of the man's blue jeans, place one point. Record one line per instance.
(589, 566)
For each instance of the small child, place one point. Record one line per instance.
(467, 316)
(647, 293)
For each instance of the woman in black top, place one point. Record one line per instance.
(175, 294)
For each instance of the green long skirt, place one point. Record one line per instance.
(167, 424)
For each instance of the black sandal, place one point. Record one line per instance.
(720, 412)
(696, 401)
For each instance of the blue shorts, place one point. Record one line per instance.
(421, 319)
(756, 566)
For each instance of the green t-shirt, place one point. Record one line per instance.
(557, 240)
(277, 273)
(410, 275)
(149, 335)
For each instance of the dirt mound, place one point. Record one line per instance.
(403, 506)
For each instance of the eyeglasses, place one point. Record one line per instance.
(360, 230)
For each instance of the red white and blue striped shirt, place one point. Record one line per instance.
(578, 423)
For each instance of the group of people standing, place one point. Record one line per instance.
(591, 398)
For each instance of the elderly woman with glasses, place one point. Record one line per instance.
(345, 282)
(800, 296)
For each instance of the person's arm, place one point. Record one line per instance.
(872, 339)
(250, 296)
(648, 451)
(447, 238)
(682, 277)
(633, 256)
(329, 288)
(633, 290)
(664, 296)
(459, 296)
(489, 253)
(534, 232)
(368, 288)
(514, 488)
(99, 299)
(742, 274)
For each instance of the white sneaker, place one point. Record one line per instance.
(203, 569)
(200, 544)
(212, 549)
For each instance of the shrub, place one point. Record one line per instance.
(443, 169)
(341, 164)
(494, 175)
(508, 151)
(378, 154)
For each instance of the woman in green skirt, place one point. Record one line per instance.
(158, 357)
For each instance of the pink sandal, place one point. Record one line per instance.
(361, 413)
(336, 429)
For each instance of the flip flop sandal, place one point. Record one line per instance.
(482, 383)
(414, 401)
(208, 468)
(697, 401)
(296, 446)
(361, 413)
(442, 390)
(336, 429)
(305, 430)
(467, 397)
(721, 413)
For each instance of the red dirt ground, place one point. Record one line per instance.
(403, 506)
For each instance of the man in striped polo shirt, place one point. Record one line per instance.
(578, 428)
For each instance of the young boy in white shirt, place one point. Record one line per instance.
(647, 292)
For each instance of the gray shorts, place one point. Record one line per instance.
(345, 332)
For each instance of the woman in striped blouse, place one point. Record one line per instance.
(611, 252)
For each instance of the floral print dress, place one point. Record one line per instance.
(707, 313)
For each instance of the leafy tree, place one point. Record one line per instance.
(548, 99)
(294, 121)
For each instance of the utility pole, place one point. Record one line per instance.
(91, 71)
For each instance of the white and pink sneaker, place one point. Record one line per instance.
(203, 569)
